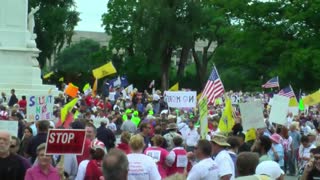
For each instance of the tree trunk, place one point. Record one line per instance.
(166, 60)
(183, 61)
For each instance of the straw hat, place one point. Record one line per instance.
(219, 139)
(172, 126)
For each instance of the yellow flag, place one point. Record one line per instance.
(175, 87)
(293, 102)
(226, 122)
(199, 96)
(312, 99)
(86, 87)
(48, 75)
(67, 108)
(61, 79)
(94, 88)
(104, 70)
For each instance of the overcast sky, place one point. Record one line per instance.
(90, 14)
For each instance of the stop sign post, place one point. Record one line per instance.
(65, 141)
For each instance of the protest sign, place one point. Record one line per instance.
(181, 99)
(279, 110)
(40, 108)
(252, 115)
(294, 110)
(10, 126)
(65, 141)
(97, 121)
(203, 117)
(235, 99)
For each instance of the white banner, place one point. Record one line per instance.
(252, 115)
(279, 109)
(181, 99)
(10, 126)
(40, 108)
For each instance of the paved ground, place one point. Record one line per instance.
(290, 178)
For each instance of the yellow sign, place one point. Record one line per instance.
(203, 117)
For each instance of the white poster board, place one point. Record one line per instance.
(235, 99)
(10, 126)
(294, 110)
(279, 110)
(252, 115)
(181, 99)
(40, 107)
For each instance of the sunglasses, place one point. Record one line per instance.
(12, 146)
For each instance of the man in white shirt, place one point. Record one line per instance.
(206, 168)
(191, 137)
(222, 157)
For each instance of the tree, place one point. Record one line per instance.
(54, 25)
(77, 61)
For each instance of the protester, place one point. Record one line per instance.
(91, 168)
(222, 157)
(145, 133)
(25, 141)
(141, 166)
(14, 148)
(13, 98)
(124, 142)
(271, 169)
(312, 168)
(172, 132)
(41, 137)
(11, 166)
(304, 152)
(177, 158)
(159, 155)
(262, 145)
(43, 169)
(277, 152)
(288, 150)
(192, 137)
(233, 149)
(206, 168)
(115, 165)
(246, 163)
(128, 125)
(106, 136)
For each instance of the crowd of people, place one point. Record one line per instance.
(138, 137)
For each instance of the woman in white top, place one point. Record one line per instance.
(141, 166)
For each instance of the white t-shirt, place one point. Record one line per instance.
(206, 169)
(226, 165)
(192, 137)
(142, 167)
(82, 170)
(305, 153)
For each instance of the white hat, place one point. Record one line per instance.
(269, 168)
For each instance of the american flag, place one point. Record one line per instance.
(274, 82)
(214, 87)
(288, 92)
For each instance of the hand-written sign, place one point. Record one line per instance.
(10, 126)
(40, 108)
(181, 99)
(279, 110)
(65, 141)
(252, 115)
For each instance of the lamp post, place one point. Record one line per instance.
(117, 57)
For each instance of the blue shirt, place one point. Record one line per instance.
(280, 151)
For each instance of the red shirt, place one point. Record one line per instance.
(86, 151)
(124, 147)
(23, 104)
